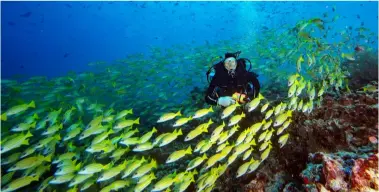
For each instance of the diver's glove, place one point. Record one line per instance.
(225, 101)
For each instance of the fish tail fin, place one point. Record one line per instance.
(28, 134)
(130, 111)
(35, 116)
(77, 167)
(137, 121)
(180, 132)
(33, 125)
(35, 178)
(189, 150)
(26, 142)
(154, 130)
(211, 109)
(4, 117)
(154, 163)
(32, 104)
(179, 113)
(48, 158)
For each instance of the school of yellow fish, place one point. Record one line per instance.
(113, 156)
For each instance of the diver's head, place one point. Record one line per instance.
(230, 61)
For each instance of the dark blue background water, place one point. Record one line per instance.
(52, 38)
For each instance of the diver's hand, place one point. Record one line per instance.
(225, 101)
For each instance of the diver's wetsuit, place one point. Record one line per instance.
(225, 84)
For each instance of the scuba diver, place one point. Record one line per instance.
(231, 82)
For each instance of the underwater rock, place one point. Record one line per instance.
(365, 176)
(342, 171)
(334, 175)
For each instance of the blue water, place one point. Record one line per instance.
(53, 38)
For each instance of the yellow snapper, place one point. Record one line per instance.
(145, 178)
(16, 110)
(265, 154)
(253, 166)
(242, 136)
(169, 138)
(119, 184)
(182, 121)
(254, 103)
(168, 116)
(283, 127)
(19, 183)
(67, 115)
(264, 145)
(213, 160)
(178, 155)
(123, 113)
(11, 158)
(65, 156)
(283, 140)
(143, 147)
(264, 107)
(62, 178)
(30, 162)
(202, 128)
(269, 135)
(278, 108)
(130, 141)
(112, 172)
(267, 125)
(15, 141)
(95, 122)
(165, 182)
(23, 127)
(300, 87)
(125, 123)
(101, 137)
(292, 79)
(298, 63)
(256, 127)
(94, 168)
(292, 89)
(281, 118)
(312, 93)
(200, 144)
(235, 119)
(79, 179)
(216, 132)
(141, 171)
(141, 186)
(247, 154)
(232, 158)
(188, 179)
(148, 135)
(229, 110)
(206, 146)
(53, 129)
(131, 167)
(202, 112)
(269, 113)
(348, 56)
(116, 155)
(244, 168)
(72, 134)
(7, 177)
(196, 162)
